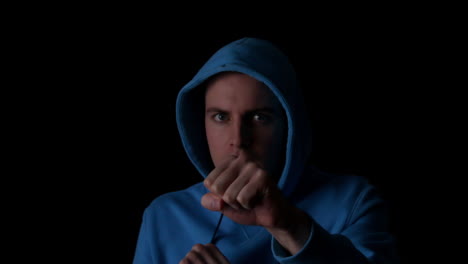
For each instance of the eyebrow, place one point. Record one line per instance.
(261, 109)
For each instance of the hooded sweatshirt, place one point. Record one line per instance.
(349, 219)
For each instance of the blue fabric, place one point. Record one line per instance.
(349, 218)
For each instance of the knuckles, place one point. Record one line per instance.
(250, 169)
(249, 166)
(207, 183)
(243, 201)
(227, 197)
(198, 247)
(216, 189)
(261, 176)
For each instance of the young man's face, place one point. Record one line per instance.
(242, 114)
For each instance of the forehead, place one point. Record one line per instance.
(238, 89)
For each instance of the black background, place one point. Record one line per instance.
(99, 122)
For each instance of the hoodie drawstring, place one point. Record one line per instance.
(216, 229)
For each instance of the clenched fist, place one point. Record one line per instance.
(245, 193)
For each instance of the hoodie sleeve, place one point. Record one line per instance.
(364, 239)
(143, 252)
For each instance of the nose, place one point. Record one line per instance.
(240, 136)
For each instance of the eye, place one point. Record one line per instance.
(220, 117)
(261, 118)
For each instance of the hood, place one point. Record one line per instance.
(263, 61)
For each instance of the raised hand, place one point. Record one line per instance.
(245, 193)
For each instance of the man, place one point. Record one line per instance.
(243, 124)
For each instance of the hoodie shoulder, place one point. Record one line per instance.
(336, 199)
(317, 178)
(177, 200)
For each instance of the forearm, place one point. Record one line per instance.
(294, 232)
(298, 245)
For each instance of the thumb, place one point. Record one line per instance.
(212, 202)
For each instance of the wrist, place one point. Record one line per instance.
(294, 222)
(292, 233)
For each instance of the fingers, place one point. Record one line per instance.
(222, 176)
(214, 174)
(229, 179)
(192, 257)
(225, 179)
(229, 163)
(212, 202)
(231, 195)
(250, 193)
(216, 253)
(208, 254)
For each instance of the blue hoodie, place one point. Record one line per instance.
(350, 223)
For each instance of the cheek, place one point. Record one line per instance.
(216, 144)
(271, 144)
(271, 138)
(214, 135)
